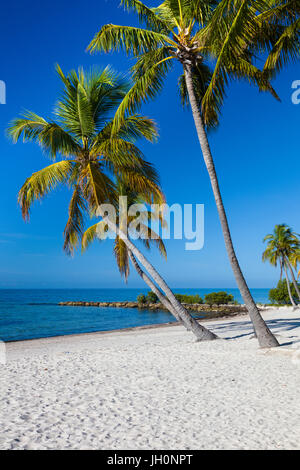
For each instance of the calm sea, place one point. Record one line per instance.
(27, 314)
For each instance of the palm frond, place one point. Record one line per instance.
(118, 153)
(118, 145)
(230, 31)
(122, 258)
(103, 90)
(51, 137)
(75, 224)
(148, 188)
(39, 184)
(186, 10)
(161, 56)
(149, 236)
(147, 15)
(145, 88)
(74, 108)
(91, 234)
(136, 127)
(130, 39)
(285, 50)
(164, 12)
(29, 124)
(98, 188)
(245, 70)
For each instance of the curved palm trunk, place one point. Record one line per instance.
(264, 335)
(163, 300)
(201, 333)
(288, 285)
(293, 278)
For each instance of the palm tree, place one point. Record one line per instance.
(283, 245)
(121, 252)
(192, 32)
(94, 154)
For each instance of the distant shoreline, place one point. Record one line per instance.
(133, 329)
(128, 329)
(29, 314)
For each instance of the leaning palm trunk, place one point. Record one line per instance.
(201, 333)
(293, 278)
(288, 285)
(264, 335)
(163, 300)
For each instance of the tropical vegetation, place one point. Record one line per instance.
(95, 160)
(214, 42)
(218, 298)
(130, 225)
(92, 136)
(141, 299)
(189, 299)
(283, 249)
(281, 295)
(213, 298)
(152, 298)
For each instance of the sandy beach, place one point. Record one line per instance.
(155, 388)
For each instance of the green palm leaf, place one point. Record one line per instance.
(285, 50)
(147, 15)
(149, 236)
(98, 155)
(91, 234)
(50, 136)
(74, 229)
(147, 87)
(39, 184)
(131, 40)
(122, 258)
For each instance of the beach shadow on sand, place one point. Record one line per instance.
(277, 326)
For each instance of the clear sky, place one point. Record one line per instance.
(256, 150)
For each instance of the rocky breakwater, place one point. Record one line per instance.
(200, 310)
(100, 304)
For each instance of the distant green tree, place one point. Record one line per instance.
(218, 298)
(141, 299)
(280, 295)
(152, 298)
(189, 299)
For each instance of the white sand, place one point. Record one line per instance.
(154, 389)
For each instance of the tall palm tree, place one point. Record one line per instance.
(192, 32)
(283, 245)
(94, 155)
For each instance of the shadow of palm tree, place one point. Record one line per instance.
(277, 326)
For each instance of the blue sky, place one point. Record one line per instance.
(256, 151)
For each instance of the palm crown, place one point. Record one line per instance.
(283, 245)
(90, 154)
(217, 39)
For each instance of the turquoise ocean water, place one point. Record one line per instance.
(28, 314)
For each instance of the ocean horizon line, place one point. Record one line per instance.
(125, 288)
